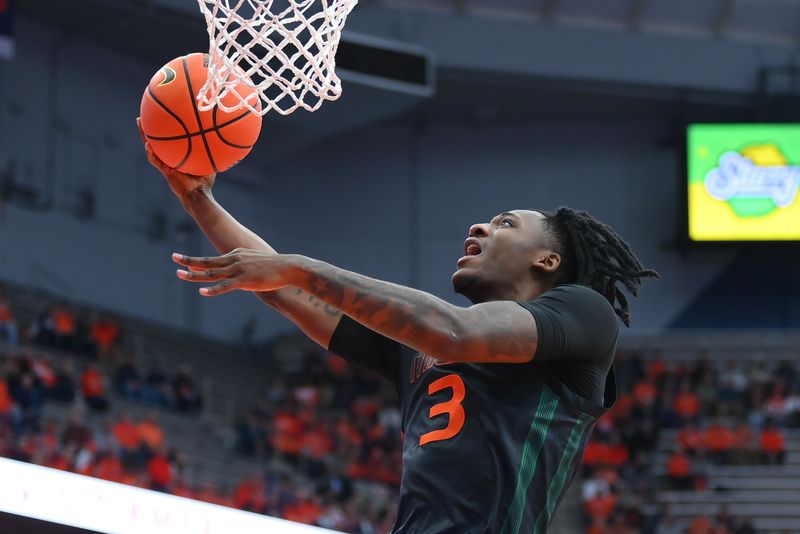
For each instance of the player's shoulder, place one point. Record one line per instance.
(575, 291)
(579, 297)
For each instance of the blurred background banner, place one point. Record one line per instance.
(96, 505)
(6, 27)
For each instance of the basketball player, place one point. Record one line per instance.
(498, 399)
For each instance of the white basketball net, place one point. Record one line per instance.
(284, 49)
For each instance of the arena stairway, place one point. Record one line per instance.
(768, 494)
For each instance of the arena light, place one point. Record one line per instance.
(101, 506)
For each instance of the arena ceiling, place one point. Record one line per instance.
(506, 60)
(767, 21)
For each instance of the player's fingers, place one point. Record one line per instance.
(209, 275)
(203, 263)
(152, 158)
(226, 286)
(141, 132)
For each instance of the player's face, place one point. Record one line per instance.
(499, 256)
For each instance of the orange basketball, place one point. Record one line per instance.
(185, 138)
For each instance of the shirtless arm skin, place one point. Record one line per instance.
(490, 332)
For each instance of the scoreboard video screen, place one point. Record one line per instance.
(743, 182)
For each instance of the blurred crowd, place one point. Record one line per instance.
(94, 338)
(328, 423)
(336, 428)
(721, 413)
(340, 427)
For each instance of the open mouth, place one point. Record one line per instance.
(472, 248)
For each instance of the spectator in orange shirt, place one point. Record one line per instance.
(160, 471)
(287, 436)
(317, 444)
(701, 525)
(127, 435)
(691, 439)
(207, 493)
(151, 437)
(686, 404)
(645, 393)
(305, 510)
(656, 369)
(109, 468)
(94, 388)
(595, 454)
(617, 452)
(249, 495)
(772, 445)
(103, 335)
(601, 506)
(719, 440)
(679, 470)
(64, 327)
(746, 452)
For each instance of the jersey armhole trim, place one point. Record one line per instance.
(574, 400)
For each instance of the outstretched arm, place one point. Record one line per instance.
(316, 318)
(500, 332)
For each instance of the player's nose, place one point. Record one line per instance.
(479, 230)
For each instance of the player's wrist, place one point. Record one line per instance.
(298, 268)
(196, 197)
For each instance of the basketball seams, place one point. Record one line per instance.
(216, 129)
(218, 152)
(180, 121)
(197, 114)
(219, 133)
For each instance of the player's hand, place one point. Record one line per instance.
(248, 270)
(183, 185)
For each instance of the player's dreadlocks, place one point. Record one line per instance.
(593, 255)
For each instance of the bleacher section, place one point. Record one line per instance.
(768, 494)
(641, 488)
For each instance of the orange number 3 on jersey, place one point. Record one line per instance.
(452, 407)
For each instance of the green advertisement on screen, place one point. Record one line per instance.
(743, 182)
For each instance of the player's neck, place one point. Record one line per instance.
(528, 290)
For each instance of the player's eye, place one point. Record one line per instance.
(505, 223)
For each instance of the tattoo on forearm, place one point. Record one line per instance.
(328, 309)
(413, 317)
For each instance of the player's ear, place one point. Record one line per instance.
(547, 261)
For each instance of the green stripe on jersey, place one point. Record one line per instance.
(548, 401)
(560, 478)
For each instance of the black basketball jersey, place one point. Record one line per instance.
(491, 448)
